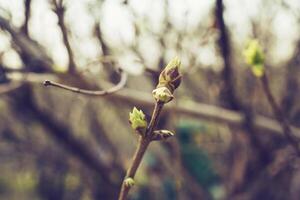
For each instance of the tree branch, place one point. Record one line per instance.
(111, 90)
(27, 4)
(280, 115)
(59, 10)
(141, 149)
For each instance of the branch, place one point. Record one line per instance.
(227, 91)
(59, 10)
(27, 4)
(168, 78)
(33, 55)
(280, 115)
(113, 89)
(140, 150)
(99, 36)
(62, 134)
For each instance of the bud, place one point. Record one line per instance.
(129, 182)
(255, 58)
(170, 76)
(137, 120)
(162, 95)
(162, 134)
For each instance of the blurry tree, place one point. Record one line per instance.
(55, 144)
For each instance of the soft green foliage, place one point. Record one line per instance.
(162, 94)
(255, 58)
(129, 182)
(137, 119)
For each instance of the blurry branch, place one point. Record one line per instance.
(228, 95)
(17, 79)
(203, 111)
(99, 36)
(24, 28)
(32, 54)
(111, 90)
(10, 86)
(227, 91)
(294, 142)
(59, 9)
(255, 58)
(290, 96)
(78, 148)
(190, 108)
(3, 78)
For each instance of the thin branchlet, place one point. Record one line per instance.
(111, 90)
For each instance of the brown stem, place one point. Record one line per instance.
(279, 115)
(114, 89)
(141, 149)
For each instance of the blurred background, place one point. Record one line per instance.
(55, 144)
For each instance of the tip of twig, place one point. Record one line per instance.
(47, 83)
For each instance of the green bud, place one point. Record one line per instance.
(162, 134)
(170, 76)
(129, 182)
(162, 95)
(255, 58)
(137, 120)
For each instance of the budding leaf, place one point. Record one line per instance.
(255, 58)
(162, 134)
(129, 182)
(137, 120)
(162, 95)
(170, 77)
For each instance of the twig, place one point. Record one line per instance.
(279, 115)
(141, 149)
(114, 89)
(59, 9)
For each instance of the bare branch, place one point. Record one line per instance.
(113, 89)
(33, 55)
(280, 115)
(27, 4)
(59, 9)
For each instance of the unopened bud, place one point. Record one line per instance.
(170, 77)
(129, 182)
(162, 95)
(162, 134)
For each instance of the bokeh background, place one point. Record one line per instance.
(55, 144)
